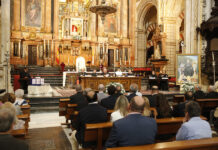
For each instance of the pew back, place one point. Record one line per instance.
(199, 144)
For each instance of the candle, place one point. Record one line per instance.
(19, 48)
(44, 48)
(129, 57)
(48, 47)
(213, 56)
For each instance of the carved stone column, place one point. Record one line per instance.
(5, 48)
(16, 15)
(56, 19)
(48, 16)
(123, 18)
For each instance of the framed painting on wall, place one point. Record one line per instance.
(32, 14)
(188, 69)
(110, 24)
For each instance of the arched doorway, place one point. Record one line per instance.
(146, 25)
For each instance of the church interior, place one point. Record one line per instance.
(53, 50)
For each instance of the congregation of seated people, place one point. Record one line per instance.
(133, 121)
(129, 108)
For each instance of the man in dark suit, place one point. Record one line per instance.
(24, 80)
(78, 98)
(212, 92)
(93, 113)
(110, 101)
(152, 79)
(152, 97)
(7, 141)
(199, 94)
(134, 129)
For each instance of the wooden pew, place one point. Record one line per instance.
(25, 118)
(199, 144)
(21, 133)
(63, 102)
(170, 125)
(97, 132)
(178, 98)
(100, 131)
(208, 103)
(25, 109)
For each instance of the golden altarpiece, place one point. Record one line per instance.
(49, 32)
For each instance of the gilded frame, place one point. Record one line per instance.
(188, 69)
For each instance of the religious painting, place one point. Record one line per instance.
(33, 13)
(188, 69)
(110, 24)
(76, 27)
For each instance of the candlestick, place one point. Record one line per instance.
(44, 49)
(213, 56)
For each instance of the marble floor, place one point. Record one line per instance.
(48, 119)
(45, 119)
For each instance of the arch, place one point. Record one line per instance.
(143, 8)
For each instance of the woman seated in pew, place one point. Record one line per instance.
(19, 93)
(10, 97)
(120, 108)
(19, 124)
(147, 111)
(163, 107)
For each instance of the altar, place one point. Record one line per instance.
(93, 82)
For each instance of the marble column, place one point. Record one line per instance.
(56, 19)
(124, 19)
(16, 14)
(5, 45)
(132, 33)
(48, 16)
(190, 26)
(187, 34)
(141, 49)
(208, 9)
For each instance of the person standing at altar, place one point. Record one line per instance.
(24, 79)
(62, 67)
(153, 79)
(163, 77)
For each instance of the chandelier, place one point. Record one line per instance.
(102, 10)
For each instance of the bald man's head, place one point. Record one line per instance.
(137, 104)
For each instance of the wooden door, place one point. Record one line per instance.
(32, 55)
(110, 58)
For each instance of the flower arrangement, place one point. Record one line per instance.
(115, 84)
(187, 86)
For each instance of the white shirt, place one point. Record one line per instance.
(116, 116)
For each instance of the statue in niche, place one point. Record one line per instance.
(157, 43)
